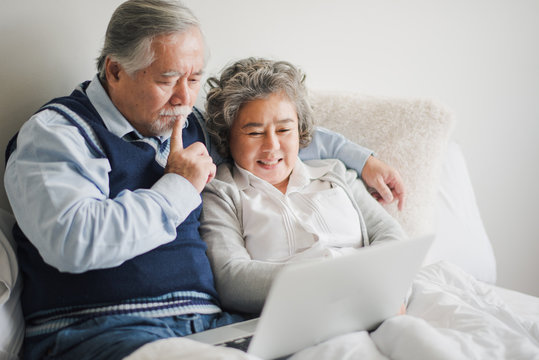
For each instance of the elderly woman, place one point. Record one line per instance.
(266, 207)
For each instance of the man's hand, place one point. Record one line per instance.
(193, 163)
(385, 180)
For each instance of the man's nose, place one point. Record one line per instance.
(181, 95)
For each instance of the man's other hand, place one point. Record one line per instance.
(385, 180)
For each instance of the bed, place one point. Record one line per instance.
(455, 310)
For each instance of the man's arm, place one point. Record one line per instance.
(59, 193)
(327, 144)
(386, 180)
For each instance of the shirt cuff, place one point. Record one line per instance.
(179, 193)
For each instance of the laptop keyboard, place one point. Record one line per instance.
(240, 344)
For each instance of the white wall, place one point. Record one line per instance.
(479, 57)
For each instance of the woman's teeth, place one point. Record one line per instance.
(271, 162)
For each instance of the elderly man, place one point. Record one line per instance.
(105, 185)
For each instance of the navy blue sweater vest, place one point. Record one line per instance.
(181, 265)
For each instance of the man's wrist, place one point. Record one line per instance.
(182, 196)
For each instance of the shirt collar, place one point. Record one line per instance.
(114, 121)
(301, 176)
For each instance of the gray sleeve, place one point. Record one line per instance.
(381, 226)
(242, 283)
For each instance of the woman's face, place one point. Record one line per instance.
(264, 139)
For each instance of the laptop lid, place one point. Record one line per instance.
(314, 301)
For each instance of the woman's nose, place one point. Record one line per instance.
(271, 142)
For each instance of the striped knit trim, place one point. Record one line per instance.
(85, 129)
(161, 150)
(173, 304)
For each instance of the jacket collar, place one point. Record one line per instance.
(301, 176)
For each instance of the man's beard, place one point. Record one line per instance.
(167, 117)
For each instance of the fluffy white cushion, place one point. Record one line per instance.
(11, 319)
(410, 134)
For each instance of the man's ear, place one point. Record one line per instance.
(112, 70)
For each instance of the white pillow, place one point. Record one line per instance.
(411, 134)
(11, 318)
(461, 237)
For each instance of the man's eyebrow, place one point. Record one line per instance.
(173, 73)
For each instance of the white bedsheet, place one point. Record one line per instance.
(450, 316)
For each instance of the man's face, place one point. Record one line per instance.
(155, 97)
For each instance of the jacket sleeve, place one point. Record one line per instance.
(381, 226)
(242, 283)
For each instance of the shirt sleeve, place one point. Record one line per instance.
(59, 192)
(327, 144)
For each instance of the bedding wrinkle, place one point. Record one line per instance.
(471, 314)
(407, 337)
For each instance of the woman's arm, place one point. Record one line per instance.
(242, 283)
(381, 226)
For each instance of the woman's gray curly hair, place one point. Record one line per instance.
(251, 79)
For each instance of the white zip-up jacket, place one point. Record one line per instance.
(243, 277)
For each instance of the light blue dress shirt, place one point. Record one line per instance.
(58, 188)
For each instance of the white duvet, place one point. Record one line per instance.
(450, 315)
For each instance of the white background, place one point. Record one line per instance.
(479, 57)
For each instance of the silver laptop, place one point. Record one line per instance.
(312, 302)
